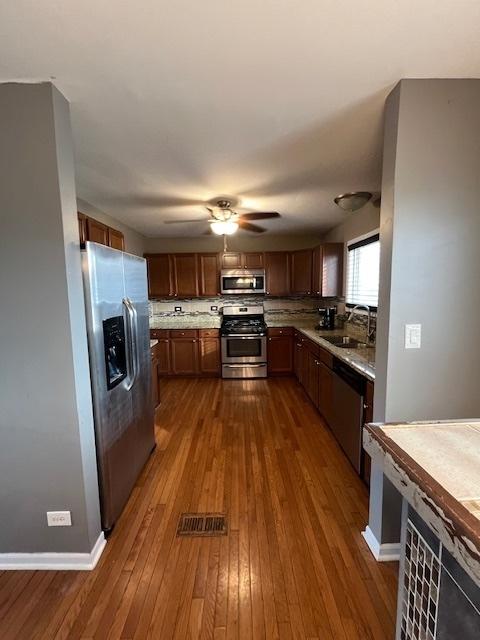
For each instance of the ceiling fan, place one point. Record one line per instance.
(225, 221)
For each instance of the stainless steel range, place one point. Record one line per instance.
(244, 342)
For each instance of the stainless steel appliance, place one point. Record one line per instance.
(116, 298)
(244, 342)
(347, 418)
(242, 281)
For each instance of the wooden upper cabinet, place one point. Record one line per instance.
(301, 272)
(185, 274)
(82, 228)
(159, 275)
(251, 260)
(97, 231)
(277, 273)
(116, 239)
(231, 260)
(209, 274)
(327, 278)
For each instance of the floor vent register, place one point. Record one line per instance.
(202, 524)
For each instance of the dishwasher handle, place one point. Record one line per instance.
(355, 380)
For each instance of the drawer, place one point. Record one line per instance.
(155, 334)
(280, 331)
(325, 357)
(183, 333)
(208, 333)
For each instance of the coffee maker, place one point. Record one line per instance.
(327, 318)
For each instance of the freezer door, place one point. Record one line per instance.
(113, 407)
(136, 291)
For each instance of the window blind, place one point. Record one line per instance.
(363, 271)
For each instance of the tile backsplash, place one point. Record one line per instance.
(195, 306)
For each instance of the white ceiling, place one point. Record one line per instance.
(276, 102)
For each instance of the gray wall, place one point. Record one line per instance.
(430, 264)
(237, 242)
(134, 241)
(356, 224)
(430, 230)
(47, 453)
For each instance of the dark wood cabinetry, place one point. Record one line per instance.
(301, 272)
(316, 271)
(187, 352)
(209, 352)
(327, 270)
(280, 351)
(367, 417)
(184, 274)
(95, 231)
(277, 273)
(236, 260)
(159, 275)
(155, 376)
(209, 274)
(184, 352)
(116, 239)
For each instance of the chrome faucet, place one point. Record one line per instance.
(369, 316)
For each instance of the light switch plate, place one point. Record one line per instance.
(413, 336)
(178, 308)
(59, 518)
(214, 307)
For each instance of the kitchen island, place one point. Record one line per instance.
(436, 468)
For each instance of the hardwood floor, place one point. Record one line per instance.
(293, 564)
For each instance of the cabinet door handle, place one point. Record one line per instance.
(193, 340)
(269, 339)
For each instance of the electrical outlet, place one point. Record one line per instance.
(413, 336)
(59, 518)
(214, 307)
(178, 308)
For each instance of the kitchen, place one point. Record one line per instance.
(238, 323)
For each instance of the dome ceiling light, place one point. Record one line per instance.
(353, 201)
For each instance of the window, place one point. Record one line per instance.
(363, 270)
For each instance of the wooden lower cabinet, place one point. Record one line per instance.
(280, 351)
(209, 352)
(155, 377)
(188, 352)
(325, 393)
(184, 352)
(367, 417)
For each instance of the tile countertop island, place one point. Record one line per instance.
(362, 360)
(436, 468)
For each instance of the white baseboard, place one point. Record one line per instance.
(381, 552)
(54, 561)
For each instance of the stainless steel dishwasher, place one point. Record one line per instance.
(347, 414)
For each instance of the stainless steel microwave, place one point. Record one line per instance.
(242, 281)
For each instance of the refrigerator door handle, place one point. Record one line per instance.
(130, 341)
(136, 355)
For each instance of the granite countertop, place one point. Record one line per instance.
(436, 467)
(362, 360)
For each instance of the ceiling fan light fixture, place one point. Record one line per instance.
(353, 201)
(224, 227)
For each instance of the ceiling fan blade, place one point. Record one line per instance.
(246, 226)
(260, 215)
(183, 221)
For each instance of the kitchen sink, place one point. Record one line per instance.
(346, 342)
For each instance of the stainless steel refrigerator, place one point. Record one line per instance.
(116, 296)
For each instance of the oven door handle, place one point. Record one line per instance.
(243, 337)
(244, 366)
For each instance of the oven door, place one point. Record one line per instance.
(241, 282)
(238, 349)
